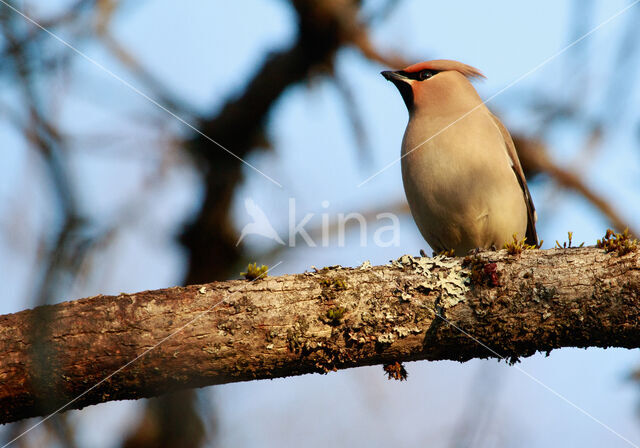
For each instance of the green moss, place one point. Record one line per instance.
(337, 284)
(517, 246)
(295, 335)
(475, 265)
(621, 243)
(334, 315)
(565, 245)
(254, 272)
(447, 253)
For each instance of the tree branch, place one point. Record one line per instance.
(323, 28)
(331, 319)
(535, 159)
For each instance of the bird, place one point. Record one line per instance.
(260, 224)
(460, 170)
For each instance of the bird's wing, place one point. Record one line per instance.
(531, 234)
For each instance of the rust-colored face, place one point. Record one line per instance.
(425, 81)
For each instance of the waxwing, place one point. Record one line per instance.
(461, 173)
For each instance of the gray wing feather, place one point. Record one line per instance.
(531, 234)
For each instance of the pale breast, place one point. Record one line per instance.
(460, 186)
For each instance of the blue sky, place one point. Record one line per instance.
(205, 52)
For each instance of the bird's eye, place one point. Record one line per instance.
(425, 74)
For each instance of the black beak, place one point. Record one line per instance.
(401, 82)
(394, 76)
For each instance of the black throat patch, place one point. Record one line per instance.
(406, 91)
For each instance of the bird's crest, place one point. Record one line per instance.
(442, 65)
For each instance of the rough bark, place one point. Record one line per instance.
(316, 322)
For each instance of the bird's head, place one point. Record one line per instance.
(437, 84)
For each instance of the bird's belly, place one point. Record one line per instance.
(461, 200)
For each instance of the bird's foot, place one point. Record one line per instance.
(445, 253)
(479, 250)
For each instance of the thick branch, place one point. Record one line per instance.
(316, 322)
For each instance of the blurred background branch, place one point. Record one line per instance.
(93, 175)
